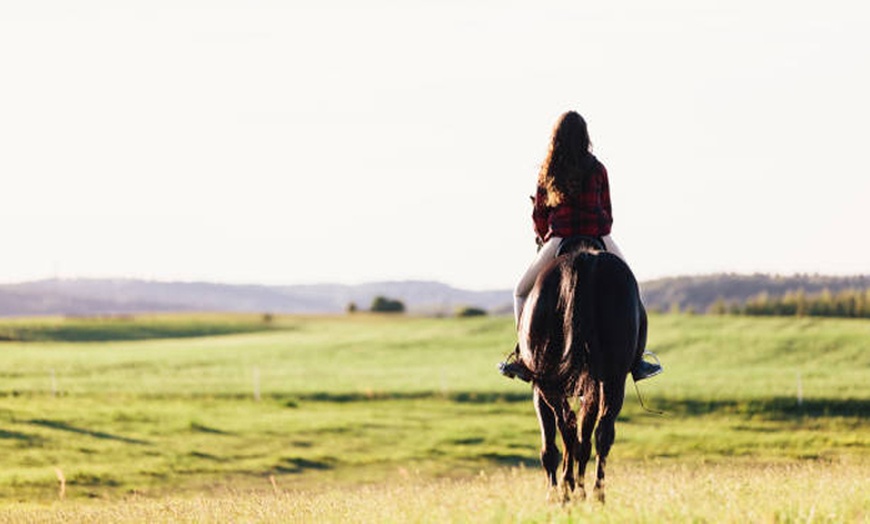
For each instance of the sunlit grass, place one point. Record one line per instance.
(810, 491)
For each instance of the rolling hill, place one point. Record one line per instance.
(88, 297)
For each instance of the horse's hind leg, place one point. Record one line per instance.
(588, 418)
(567, 421)
(547, 420)
(613, 395)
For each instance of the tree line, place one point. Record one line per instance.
(847, 303)
(382, 304)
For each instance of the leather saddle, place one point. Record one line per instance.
(571, 244)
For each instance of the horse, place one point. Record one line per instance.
(582, 329)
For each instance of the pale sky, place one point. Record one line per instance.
(282, 142)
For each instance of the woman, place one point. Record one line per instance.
(572, 200)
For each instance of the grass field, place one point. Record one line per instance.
(203, 417)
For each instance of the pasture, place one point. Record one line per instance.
(385, 418)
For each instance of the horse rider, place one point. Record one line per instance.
(572, 200)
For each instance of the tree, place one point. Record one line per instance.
(386, 305)
(719, 307)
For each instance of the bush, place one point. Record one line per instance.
(470, 312)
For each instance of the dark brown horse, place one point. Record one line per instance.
(582, 329)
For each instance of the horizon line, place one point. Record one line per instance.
(179, 280)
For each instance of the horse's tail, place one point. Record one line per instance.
(580, 320)
(564, 335)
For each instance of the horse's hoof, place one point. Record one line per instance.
(599, 495)
(553, 494)
(566, 494)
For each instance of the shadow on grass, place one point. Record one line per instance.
(201, 428)
(63, 426)
(301, 465)
(472, 441)
(776, 408)
(14, 435)
(206, 456)
(92, 480)
(466, 397)
(511, 459)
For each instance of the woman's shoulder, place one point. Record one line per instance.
(599, 170)
(597, 164)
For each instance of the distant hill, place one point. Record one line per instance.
(87, 297)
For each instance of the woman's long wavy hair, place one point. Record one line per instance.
(569, 160)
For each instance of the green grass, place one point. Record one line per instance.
(350, 402)
(741, 357)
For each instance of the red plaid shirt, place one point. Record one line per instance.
(587, 213)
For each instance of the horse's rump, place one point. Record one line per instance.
(584, 304)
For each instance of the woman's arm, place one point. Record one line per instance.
(541, 214)
(605, 193)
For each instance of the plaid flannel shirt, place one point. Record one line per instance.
(587, 213)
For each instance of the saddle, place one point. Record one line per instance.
(571, 244)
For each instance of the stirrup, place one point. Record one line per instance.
(655, 357)
(513, 367)
(650, 370)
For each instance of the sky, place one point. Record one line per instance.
(299, 142)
